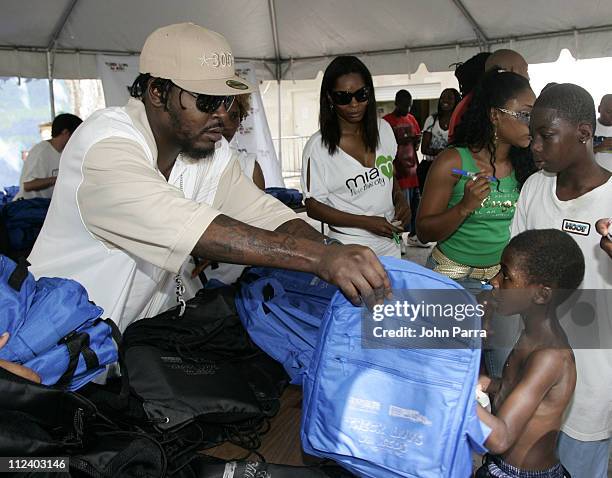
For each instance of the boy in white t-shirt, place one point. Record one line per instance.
(41, 167)
(603, 133)
(571, 193)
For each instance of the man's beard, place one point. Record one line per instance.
(186, 144)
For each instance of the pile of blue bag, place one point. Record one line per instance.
(22, 221)
(282, 311)
(54, 329)
(7, 194)
(289, 197)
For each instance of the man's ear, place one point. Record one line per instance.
(543, 295)
(155, 94)
(585, 132)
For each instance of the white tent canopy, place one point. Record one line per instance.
(295, 39)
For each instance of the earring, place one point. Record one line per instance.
(331, 106)
(495, 134)
(583, 141)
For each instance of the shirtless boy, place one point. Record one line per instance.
(538, 270)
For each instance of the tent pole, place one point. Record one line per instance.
(50, 78)
(278, 74)
(280, 122)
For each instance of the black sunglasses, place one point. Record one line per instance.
(344, 97)
(209, 103)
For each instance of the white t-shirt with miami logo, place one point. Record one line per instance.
(342, 182)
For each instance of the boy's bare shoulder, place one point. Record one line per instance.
(550, 356)
(550, 364)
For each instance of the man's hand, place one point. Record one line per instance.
(355, 269)
(357, 272)
(199, 268)
(14, 368)
(604, 227)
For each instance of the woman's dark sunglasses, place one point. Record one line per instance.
(344, 97)
(209, 103)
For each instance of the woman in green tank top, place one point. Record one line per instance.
(469, 217)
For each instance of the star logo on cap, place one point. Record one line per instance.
(203, 60)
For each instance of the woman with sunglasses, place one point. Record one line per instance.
(471, 189)
(347, 169)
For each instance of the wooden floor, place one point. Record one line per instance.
(281, 444)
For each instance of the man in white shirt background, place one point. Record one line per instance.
(41, 167)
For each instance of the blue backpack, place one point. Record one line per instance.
(54, 329)
(23, 220)
(8, 193)
(289, 197)
(282, 311)
(383, 411)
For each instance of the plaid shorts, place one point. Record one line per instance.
(495, 467)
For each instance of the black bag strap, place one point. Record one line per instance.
(19, 275)
(125, 380)
(76, 343)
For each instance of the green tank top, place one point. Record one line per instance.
(481, 238)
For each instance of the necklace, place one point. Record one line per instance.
(180, 287)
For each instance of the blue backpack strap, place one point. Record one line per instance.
(19, 274)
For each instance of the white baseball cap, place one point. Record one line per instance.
(194, 58)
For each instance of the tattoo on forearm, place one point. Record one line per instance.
(300, 228)
(228, 240)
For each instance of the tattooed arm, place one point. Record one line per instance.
(300, 228)
(355, 269)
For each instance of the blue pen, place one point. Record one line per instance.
(470, 174)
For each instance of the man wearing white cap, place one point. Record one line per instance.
(144, 186)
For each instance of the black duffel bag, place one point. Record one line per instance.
(37, 420)
(202, 367)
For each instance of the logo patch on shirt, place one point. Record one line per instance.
(576, 227)
(385, 165)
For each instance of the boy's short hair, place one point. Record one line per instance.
(549, 257)
(573, 103)
(403, 96)
(65, 121)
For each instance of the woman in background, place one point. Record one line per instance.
(347, 169)
(435, 132)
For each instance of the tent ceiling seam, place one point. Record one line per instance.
(61, 24)
(480, 34)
